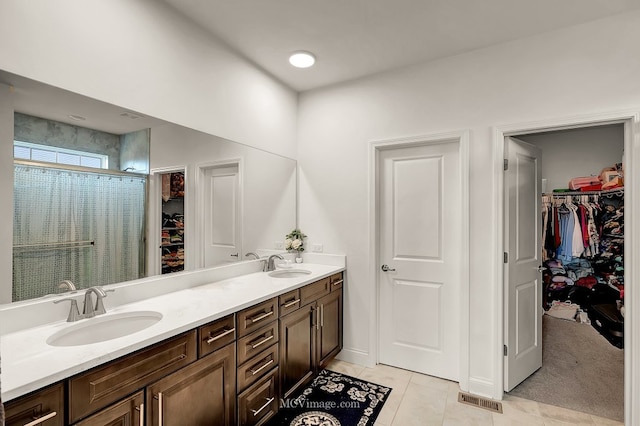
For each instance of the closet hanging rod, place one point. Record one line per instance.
(61, 244)
(605, 192)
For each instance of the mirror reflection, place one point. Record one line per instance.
(104, 195)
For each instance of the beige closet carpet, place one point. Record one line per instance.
(580, 370)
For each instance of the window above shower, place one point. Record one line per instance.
(51, 154)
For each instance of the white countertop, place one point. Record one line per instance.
(29, 363)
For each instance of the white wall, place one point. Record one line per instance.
(577, 152)
(141, 55)
(6, 191)
(581, 70)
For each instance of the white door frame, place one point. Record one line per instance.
(631, 121)
(462, 139)
(200, 205)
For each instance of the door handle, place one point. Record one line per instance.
(541, 268)
(234, 255)
(385, 268)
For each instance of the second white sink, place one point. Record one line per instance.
(289, 273)
(104, 327)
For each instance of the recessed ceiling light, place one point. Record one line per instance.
(302, 59)
(76, 117)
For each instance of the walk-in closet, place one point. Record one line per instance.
(582, 223)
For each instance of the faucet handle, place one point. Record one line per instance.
(99, 309)
(74, 312)
(67, 285)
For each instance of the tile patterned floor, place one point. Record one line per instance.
(422, 400)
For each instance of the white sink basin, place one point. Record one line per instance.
(104, 327)
(289, 273)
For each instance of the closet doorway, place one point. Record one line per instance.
(563, 288)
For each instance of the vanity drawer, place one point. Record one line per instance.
(257, 367)
(46, 404)
(105, 385)
(256, 316)
(260, 402)
(216, 335)
(257, 341)
(314, 291)
(289, 301)
(336, 281)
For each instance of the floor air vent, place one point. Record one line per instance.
(477, 401)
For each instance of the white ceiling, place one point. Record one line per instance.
(354, 38)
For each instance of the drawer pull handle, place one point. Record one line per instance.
(266, 404)
(42, 419)
(159, 398)
(261, 317)
(141, 409)
(290, 304)
(212, 339)
(337, 282)
(261, 342)
(321, 315)
(268, 363)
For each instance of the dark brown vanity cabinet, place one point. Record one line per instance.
(44, 407)
(329, 335)
(311, 335)
(258, 359)
(297, 348)
(202, 393)
(99, 388)
(128, 412)
(232, 371)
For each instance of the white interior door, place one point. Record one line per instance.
(420, 242)
(523, 278)
(222, 224)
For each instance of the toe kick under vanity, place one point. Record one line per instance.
(232, 367)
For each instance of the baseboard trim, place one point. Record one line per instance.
(481, 387)
(355, 356)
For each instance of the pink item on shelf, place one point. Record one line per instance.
(579, 182)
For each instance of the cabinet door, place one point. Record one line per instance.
(297, 348)
(203, 393)
(128, 412)
(330, 330)
(45, 407)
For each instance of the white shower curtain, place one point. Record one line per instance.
(82, 226)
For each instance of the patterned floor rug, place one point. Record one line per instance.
(333, 399)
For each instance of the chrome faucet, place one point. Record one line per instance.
(270, 265)
(90, 310)
(255, 255)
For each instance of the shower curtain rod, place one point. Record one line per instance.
(81, 169)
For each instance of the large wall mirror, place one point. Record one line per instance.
(103, 194)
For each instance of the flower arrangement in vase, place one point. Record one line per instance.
(294, 241)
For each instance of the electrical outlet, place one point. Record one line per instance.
(278, 244)
(316, 248)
